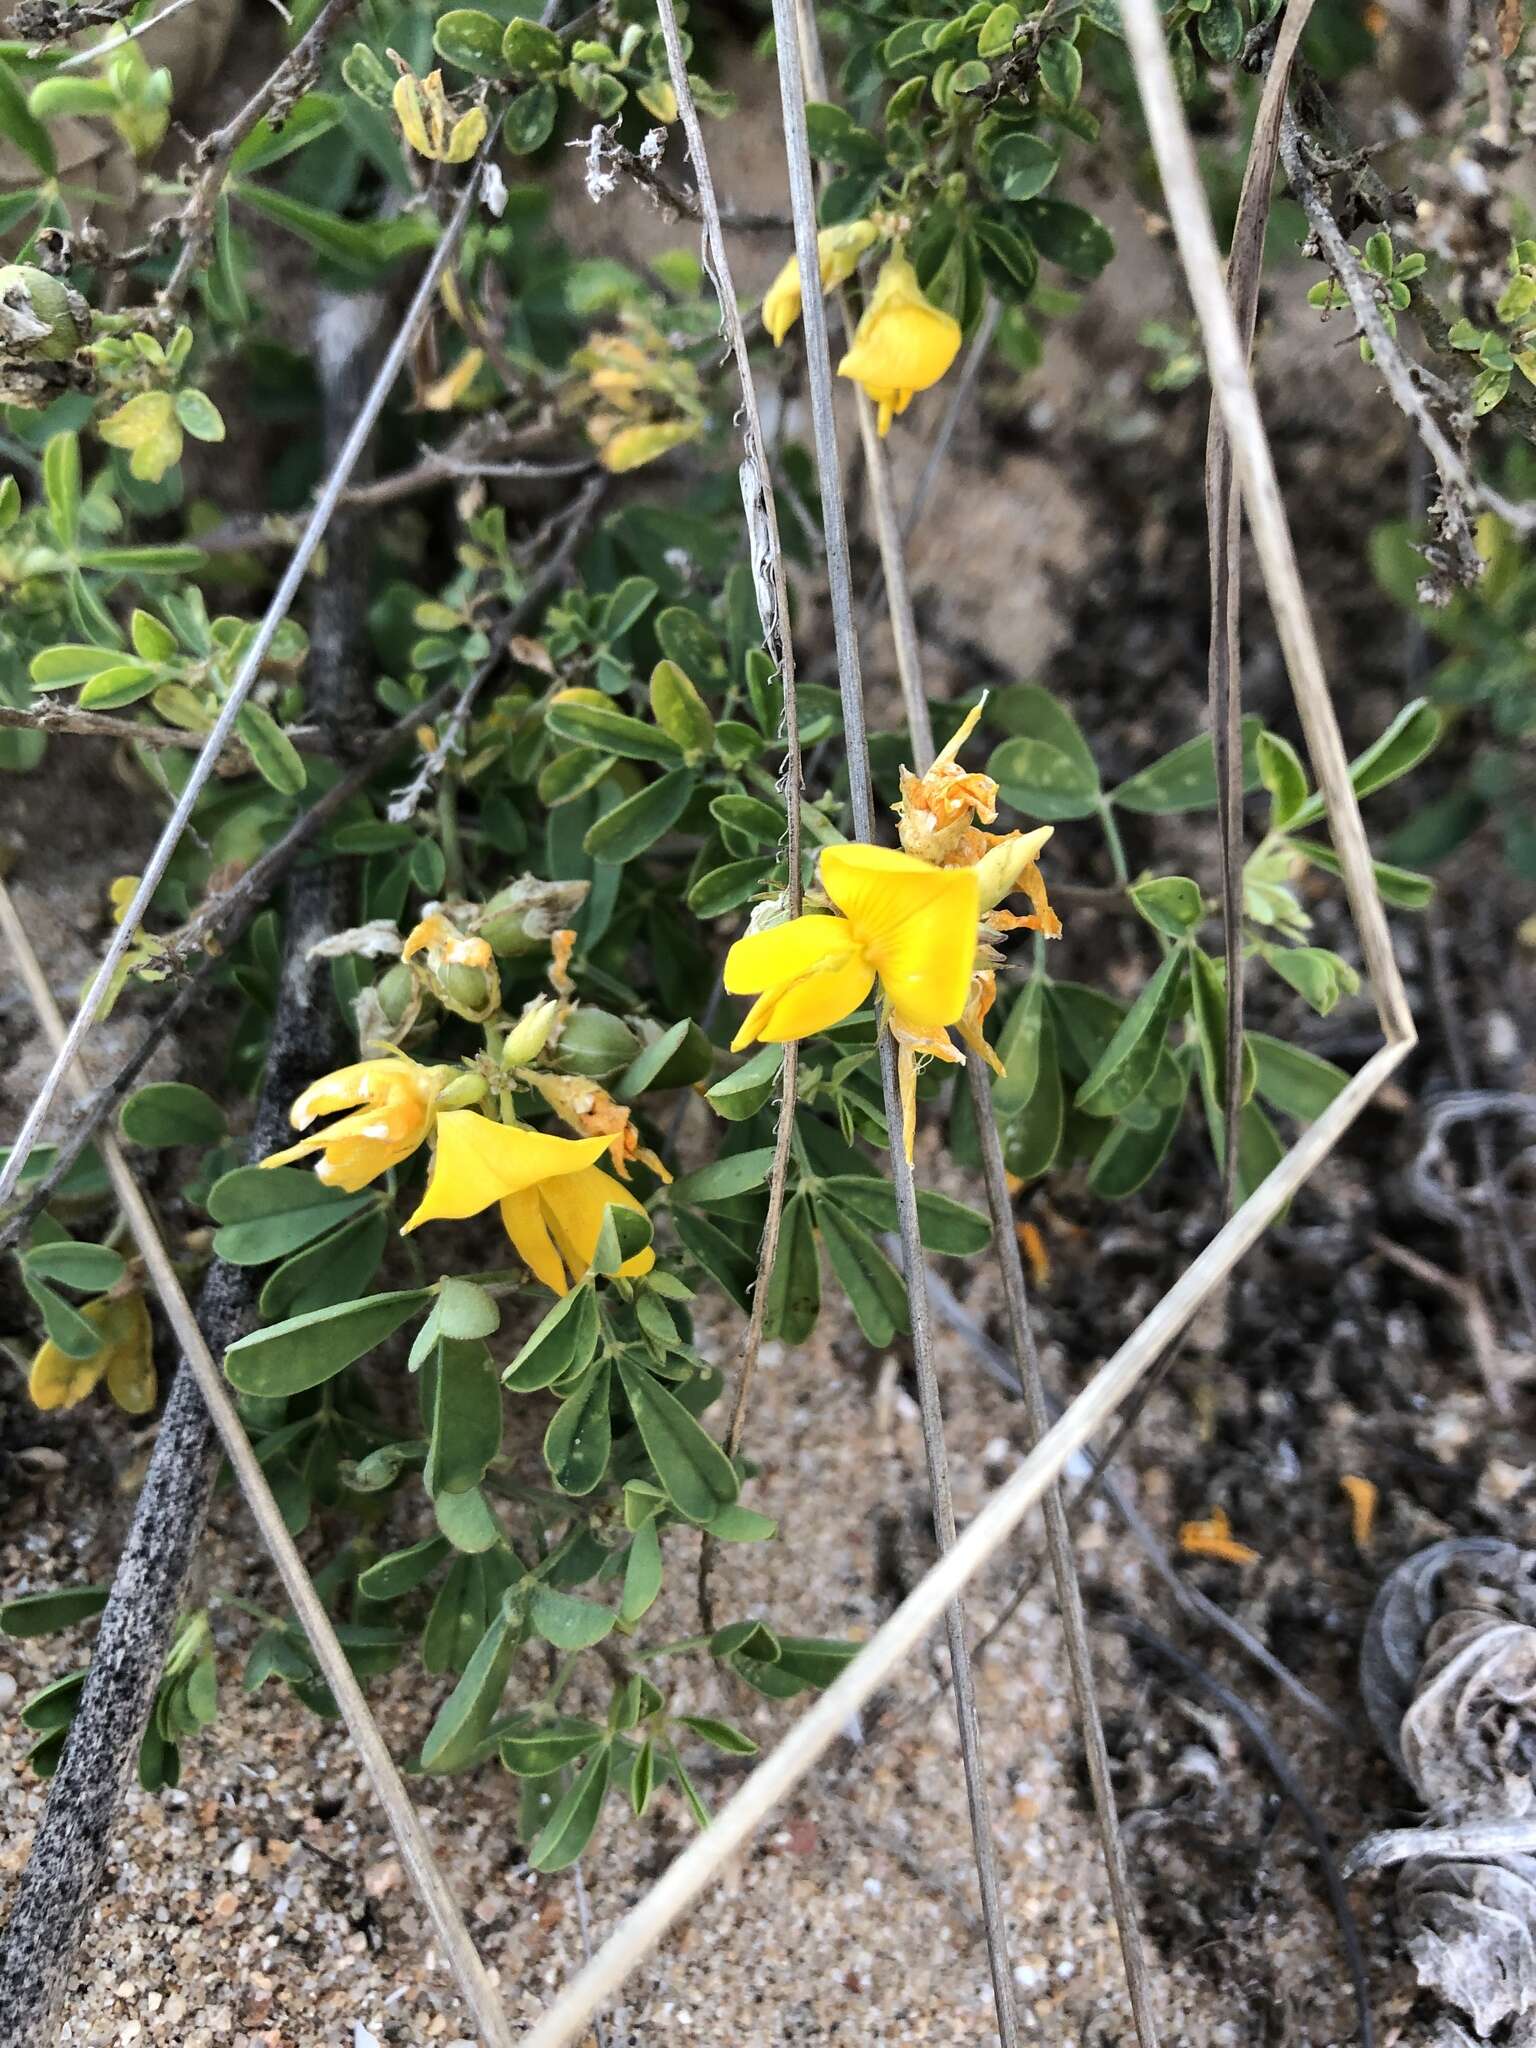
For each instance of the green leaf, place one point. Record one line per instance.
(403, 1570)
(172, 1113)
(642, 1575)
(61, 485)
(43, 1614)
(466, 1416)
(541, 1750)
(467, 1520)
(1208, 991)
(1061, 73)
(276, 759)
(1291, 1080)
(1185, 780)
(622, 1236)
(561, 1346)
(570, 1827)
(268, 143)
(1130, 1059)
(625, 832)
(60, 668)
(945, 1225)
(678, 708)
(199, 415)
(742, 1094)
(586, 717)
(749, 814)
(875, 1290)
(1401, 747)
(152, 641)
(1047, 771)
(696, 1473)
(1169, 903)
(1132, 1153)
(1018, 1047)
(64, 1326)
(469, 1709)
(268, 1212)
(1022, 165)
(719, 1735)
(307, 1350)
(365, 248)
(724, 1179)
(465, 1311)
(1397, 885)
(996, 34)
(18, 125)
(1282, 774)
(530, 50)
(125, 683)
(1319, 976)
(88, 1268)
(473, 40)
(1066, 234)
(531, 118)
(794, 1285)
(722, 889)
(568, 1622)
(579, 1440)
(652, 1061)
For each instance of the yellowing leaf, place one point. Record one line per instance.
(148, 430)
(468, 134)
(632, 447)
(445, 392)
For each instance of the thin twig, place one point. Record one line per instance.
(877, 467)
(102, 725)
(1058, 1539)
(415, 1850)
(834, 528)
(129, 35)
(1257, 1730)
(690, 1875)
(1245, 264)
(216, 152)
(1091, 1467)
(1459, 487)
(250, 666)
(575, 523)
(770, 580)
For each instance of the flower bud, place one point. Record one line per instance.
(463, 1091)
(595, 1044)
(1003, 866)
(530, 1034)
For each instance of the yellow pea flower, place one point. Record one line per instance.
(837, 257)
(910, 925)
(394, 1103)
(479, 1161)
(125, 1359)
(903, 343)
(554, 1225)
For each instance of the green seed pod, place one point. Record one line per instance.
(471, 992)
(41, 318)
(397, 994)
(595, 1044)
(520, 918)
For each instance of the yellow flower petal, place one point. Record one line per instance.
(574, 1207)
(800, 945)
(808, 974)
(358, 1148)
(782, 302)
(903, 344)
(916, 926)
(522, 1217)
(479, 1161)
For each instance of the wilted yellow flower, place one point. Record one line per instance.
(460, 970)
(903, 343)
(428, 122)
(554, 1225)
(125, 1358)
(584, 1106)
(837, 257)
(394, 1102)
